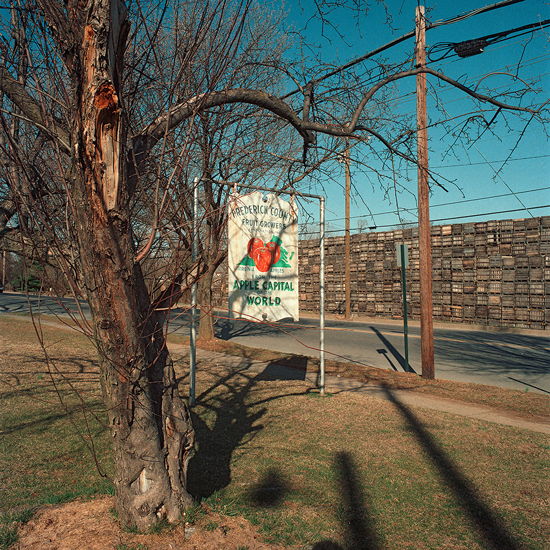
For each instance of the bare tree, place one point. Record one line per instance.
(104, 108)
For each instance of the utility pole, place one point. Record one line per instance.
(347, 276)
(424, 234)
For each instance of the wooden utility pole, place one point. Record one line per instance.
(346, 241)
(424, 234)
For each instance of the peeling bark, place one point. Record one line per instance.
(150, 425)
(107, 136)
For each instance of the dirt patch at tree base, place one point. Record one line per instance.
(90, 525)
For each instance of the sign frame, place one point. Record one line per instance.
(263, 257)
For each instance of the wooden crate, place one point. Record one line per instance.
(537, 301)
(481, 312)
(536, 315)
(536, 288)
(522, 314)
(469, 311)
(508, 314)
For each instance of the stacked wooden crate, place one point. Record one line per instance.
(495, 273)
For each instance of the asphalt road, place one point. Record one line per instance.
(518, 360)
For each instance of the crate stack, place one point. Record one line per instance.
(495, 273)
(309, 257)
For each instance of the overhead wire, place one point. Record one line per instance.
(372, 79)
(494, 38)
(446, 87)
(484, 214)
(432, 221)
(452, 203)
(402, 38)
(478, 44)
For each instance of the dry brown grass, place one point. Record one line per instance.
(527, 404)
(302, 468)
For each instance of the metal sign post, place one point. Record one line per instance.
(322, 296)
(193, 335)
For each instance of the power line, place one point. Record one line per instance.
(463, 164)
(465, 201)
(484, 163)
(464, 217)
(476, 46)
(383, 71)
(402, 38)
(453, 203)
(492, 213)
(477, 11)
(446, 87)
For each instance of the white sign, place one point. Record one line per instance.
(402, 249)
(263, 257)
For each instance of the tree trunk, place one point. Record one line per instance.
(150, 424)
(204, 299)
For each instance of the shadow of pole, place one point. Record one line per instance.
(384, 352)
(529, 385)
(359, 533)
(483, 520)
(398, 357)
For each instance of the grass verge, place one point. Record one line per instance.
(307, 470)
(51, 418)
(523, 403)
(364, 473)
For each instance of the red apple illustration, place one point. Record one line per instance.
(254, 244)
(275, 250)
(275, 246)
(263, 258)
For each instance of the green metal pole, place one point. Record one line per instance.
(405, 321)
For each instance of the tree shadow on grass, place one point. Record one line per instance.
(39, 420)
(236, 420)
(488, 526)
(360, 532)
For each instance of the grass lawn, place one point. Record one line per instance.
(354, 470)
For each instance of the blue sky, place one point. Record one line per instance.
(482, 183)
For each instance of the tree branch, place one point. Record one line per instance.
(184, 110)
(55, 17)
(16, 92)
(440, 76)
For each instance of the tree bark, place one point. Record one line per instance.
(150, 424)
(204, 299)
